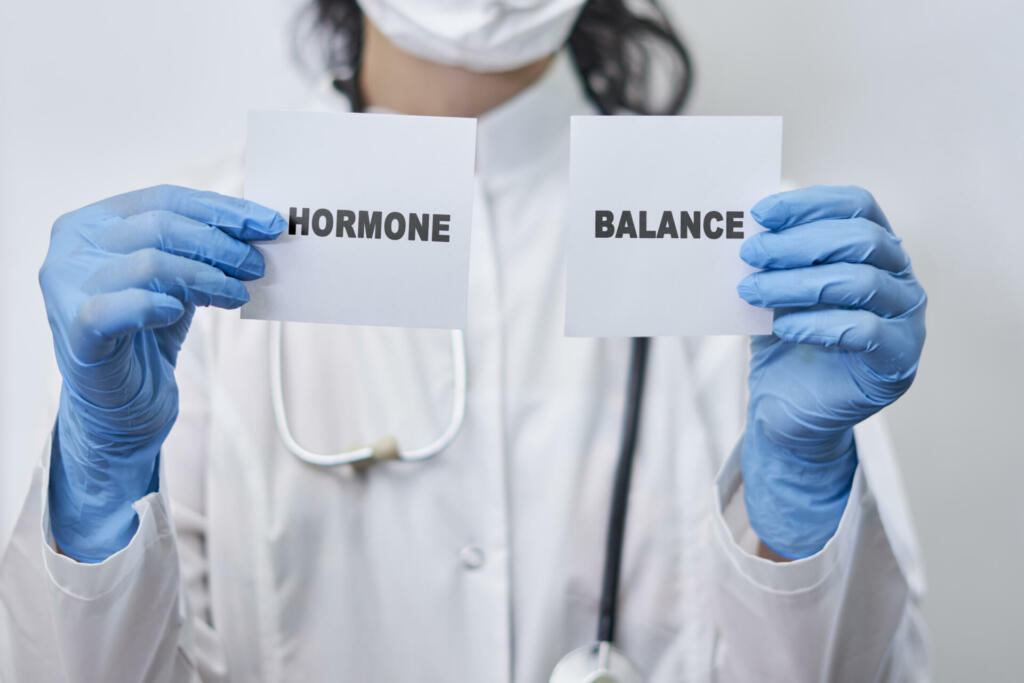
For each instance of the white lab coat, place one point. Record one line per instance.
(484, 563)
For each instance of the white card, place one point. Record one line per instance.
(379, 210)
(642, 189)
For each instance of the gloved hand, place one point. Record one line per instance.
(121, 281)
(848, 332)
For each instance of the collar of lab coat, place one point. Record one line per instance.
(517, 135)
(520, 133)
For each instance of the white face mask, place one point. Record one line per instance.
(479, 35)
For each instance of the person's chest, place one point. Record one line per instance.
(486, 558)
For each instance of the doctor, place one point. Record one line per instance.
(169, 534)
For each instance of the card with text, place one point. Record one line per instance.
(379, 210)
(659, 207)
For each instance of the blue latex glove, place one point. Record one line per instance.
(848, 332)
(121, 281)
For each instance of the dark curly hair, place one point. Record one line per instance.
(628, 56)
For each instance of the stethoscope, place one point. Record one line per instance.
(385, 448)
(599, 662)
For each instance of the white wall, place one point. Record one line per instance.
(922, 102)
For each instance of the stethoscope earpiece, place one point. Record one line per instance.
(596, 663)
(385, 448)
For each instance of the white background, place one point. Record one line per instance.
(921, 102)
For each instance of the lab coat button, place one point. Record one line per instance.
(472, 557)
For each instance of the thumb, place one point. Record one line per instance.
(104, 318)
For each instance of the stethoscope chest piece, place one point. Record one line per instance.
(596, 663)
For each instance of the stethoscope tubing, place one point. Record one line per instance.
(386, 448)
(620, 490)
